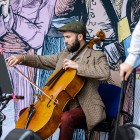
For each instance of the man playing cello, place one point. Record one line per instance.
(87, 108)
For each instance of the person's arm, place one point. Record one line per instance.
(42, 62)
(127, 67)
(37, 61)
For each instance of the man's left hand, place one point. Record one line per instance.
(69, 64)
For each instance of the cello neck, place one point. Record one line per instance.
(61, 71)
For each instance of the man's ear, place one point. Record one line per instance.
(80, 37)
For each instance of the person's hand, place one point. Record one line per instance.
(125, 71)
(4, 5)
(69, 64)
(13, 60)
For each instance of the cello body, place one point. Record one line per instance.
(47, 115)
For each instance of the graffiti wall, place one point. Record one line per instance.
(30, 27)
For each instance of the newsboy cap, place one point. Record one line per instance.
(75, 26)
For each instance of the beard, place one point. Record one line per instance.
(74, 47)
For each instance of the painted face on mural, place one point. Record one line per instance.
(71, 41)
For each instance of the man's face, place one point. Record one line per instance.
(71, 41)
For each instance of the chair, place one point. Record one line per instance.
(110, 95)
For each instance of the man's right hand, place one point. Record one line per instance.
(13, 60)
(125, 71)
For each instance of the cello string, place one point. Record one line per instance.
(32, 83)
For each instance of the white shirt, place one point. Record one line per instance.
(134, 50)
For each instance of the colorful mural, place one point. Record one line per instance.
(31, 28)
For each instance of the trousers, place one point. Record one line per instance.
(70, 120)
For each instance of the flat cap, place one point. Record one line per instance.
(75, 26)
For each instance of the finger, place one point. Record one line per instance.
(8, 59)
(14, 63)
(127, 75)
(11, 60)
(66, 60)
(122, 75)
(66, 65)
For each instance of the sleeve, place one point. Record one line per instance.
(95, 67)
(134, 50)
(42, 62)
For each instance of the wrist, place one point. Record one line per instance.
(22, 59)
(131, 59)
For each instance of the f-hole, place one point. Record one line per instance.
(48, 105)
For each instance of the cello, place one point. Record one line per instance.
(44, 116)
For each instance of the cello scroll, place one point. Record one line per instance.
(100, 37)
